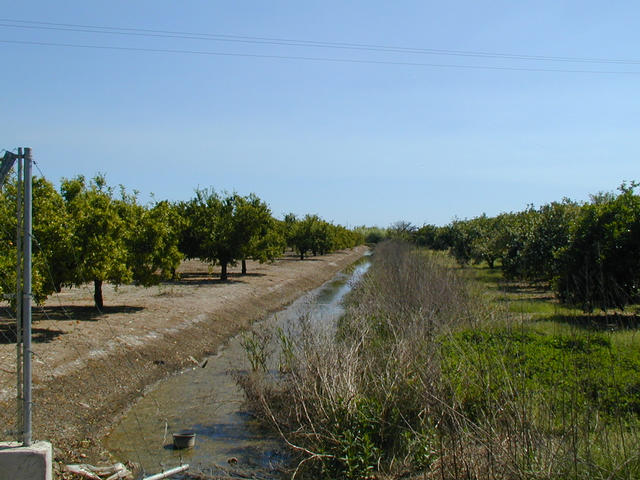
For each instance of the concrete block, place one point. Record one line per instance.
(25, 463)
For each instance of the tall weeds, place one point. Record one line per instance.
(422, 379)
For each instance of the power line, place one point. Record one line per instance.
(38, 168)
(319, 59)
(71, 27)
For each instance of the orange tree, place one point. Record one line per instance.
(600, 267)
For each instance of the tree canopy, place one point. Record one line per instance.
(99, 239)
(91, 232)
(51, 236)
(589, 253)
(600, 265)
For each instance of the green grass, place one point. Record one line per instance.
(568, 371)
(537, 308)
(551, 372)
(564, 376)
(487, 275)
(542, 307)
(535, 299)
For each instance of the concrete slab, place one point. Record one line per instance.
(25, 463)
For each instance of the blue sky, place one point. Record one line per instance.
(355, 142)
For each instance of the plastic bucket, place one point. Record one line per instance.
(184, 440)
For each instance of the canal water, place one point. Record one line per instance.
(207, 401)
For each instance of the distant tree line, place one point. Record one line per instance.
(91, 232)
(588, 252)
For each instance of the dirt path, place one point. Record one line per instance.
(89, 365)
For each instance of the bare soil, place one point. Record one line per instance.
(90, 365)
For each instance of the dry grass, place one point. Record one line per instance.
(422, 379)
(358, 398)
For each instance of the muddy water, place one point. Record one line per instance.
(207, 401)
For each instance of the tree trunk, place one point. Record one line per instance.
(223, 274)
(97, 294)
(490, 262)
(301, 255)
(244, 267)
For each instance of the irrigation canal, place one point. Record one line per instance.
(208, 402)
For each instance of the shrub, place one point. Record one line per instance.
(357, 399)
(420, 377)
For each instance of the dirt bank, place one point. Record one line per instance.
(89, 365)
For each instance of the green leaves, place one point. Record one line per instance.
(600, 267)
(51, 236)
(117, 240)
(589, 253)
(153, 253)
(312, 234)
(227, 228)
(257, 231)
(99, 232)
(535, 238)
(87, 233)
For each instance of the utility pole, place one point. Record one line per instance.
(26, 297)
(31, 460)
(23, 284)
(19, 378)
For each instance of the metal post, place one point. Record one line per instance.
(19, 424)
(26, 297)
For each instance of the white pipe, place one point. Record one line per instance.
(158, 476)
